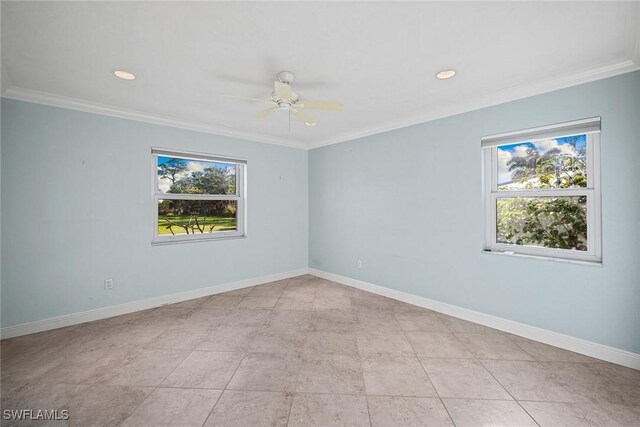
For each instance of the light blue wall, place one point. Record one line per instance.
(77, 208)
(408, 203)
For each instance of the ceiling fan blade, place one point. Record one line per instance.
(303, 117)
(320, 105)
(265, 113)
(283, 90)
(249, 98)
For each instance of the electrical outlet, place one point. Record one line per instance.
(359, 263)
(108, 284)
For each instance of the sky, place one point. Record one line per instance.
(192, 166)
(507, 152)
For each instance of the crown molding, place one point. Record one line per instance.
(500, 97)
(44, 98)
(510, 94)
(635, 25)
(4, 79)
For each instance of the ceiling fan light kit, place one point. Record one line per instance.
(125, 75)
(283, 98)
(445, 74)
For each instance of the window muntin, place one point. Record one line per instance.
(197, 197)
(542, 195)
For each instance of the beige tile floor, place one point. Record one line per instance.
(304, 352)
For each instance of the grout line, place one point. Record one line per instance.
(366, 399)
(212, 408)
(592, 362)
(293, 397)
(364, 382)
(157, 386)
(279, 297)
(211, 329)
(141, 402)
(349, 394)
(321, 392)
(525, 351)
(244, 355)
(295, 385)
(176, 367)
(527, 412)
(428, 378)
(505, 389)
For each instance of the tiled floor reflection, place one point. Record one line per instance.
(308, 352)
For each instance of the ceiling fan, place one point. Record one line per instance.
(283, 98)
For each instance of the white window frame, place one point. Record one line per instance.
(590, 127)
(239, 197)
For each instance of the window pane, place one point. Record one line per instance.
(185, 176)
(549, 222)
(196, 216)
(549, 163)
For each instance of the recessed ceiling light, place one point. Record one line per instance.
(310, 123)
(124, 75)
(446, 74)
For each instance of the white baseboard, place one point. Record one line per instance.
(588, 348)
(130, 307)
(577, 345)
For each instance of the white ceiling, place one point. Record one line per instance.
(379, 59)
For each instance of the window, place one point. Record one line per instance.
(197, 197)
(542, 191)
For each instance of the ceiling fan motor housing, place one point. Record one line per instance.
(284, 105)
(283, 98)
(286, 77)
(279, 100)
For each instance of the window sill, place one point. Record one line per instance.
(545, 258)
(162, 242)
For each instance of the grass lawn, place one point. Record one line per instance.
(219, 223)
